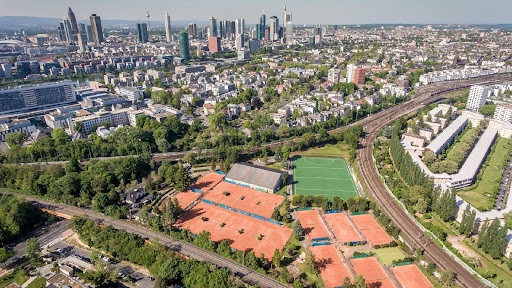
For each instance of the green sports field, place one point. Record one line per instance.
(323, 177)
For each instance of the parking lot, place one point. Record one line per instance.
(78, 256)
(505, 185)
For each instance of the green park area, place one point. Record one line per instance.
(459, 150)
(386, 256)
(481, 195)
(339, 151)
(18, 276)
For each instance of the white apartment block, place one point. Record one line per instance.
(351, 69)
(130, 93)
(16, 126)
(91, 122)
(503, 112)
(477, 97)
(334, 75)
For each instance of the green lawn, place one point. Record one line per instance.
(276, 166)
(502, 273)
(19, 277)
(456, 147)
(476, 195)
(387, 255)
(39, 282)
(328, 150)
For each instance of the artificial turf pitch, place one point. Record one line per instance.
(328, 177)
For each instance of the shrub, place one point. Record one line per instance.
(225, 193)
(222, 224)
(240, 231)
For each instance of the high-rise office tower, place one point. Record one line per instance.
(68, 31)
(72, 21)
(257, 32)
(97, 31)
(285, 16)
(351, 68)
(168, 27)
(62, 33)
(142, 32)
(289, 31)
(230, 30)
(192, 30)
(88, 30)
(239, 42)
(240, 26)
(274, 28)
(222, 29)
(262, 27)
(82, 29)
(184, 46)
(82, 42)
(212, 29)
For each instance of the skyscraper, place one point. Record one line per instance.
(262, 27)
(142, 32)
(88, 30)
(212, 29)
(184, 46)
(62, 33)
(230, 30)
(97, 31)
(274, 28)
(168, 27)
(82, 42)
(82, 29)
(239, 42)
(223, 27)
(72, 21)
(285, 16)
(68, 31)
(240, 26)
(192, 30)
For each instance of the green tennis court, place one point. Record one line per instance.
(323, 177)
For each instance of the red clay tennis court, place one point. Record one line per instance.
(341, 227)
(274, 236)
(207, 181)
(372, 272)
(245, 199)
(410, 276)
(332, 269)
(312, 224)
(186, 198)
(370, 229)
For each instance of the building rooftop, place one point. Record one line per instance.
(256, 175)
(436, 144)
(477, 156)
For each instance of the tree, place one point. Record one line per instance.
(309, 262)
(33, 249)
(285, 152)
(5, 254)
(59, 136)
(468, 222)
(446, 278)
(359, 282)
(276, 258)
(15, 139)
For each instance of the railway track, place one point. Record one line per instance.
(376, 188)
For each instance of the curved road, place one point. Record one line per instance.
(181, 247)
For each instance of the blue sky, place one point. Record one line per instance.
(304, 11)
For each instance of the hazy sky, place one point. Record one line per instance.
(304, 11)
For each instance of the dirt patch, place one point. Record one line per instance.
(459, 245)
(75, 241)
(136, 268)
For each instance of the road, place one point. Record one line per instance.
(45, 235)
(181, 247)
(375, 187)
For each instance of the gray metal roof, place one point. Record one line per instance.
(255, 175)
(475, 159)
(447, 134)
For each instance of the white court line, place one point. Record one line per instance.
(323, 168)
(325, 178)
(332, 161)
(351, 191)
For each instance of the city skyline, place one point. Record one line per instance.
(325, 11)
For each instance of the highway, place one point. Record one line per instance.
(375, 187)
(181, 247)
